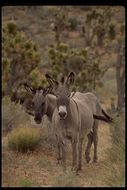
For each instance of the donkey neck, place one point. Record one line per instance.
(72, 112)
(51, 104)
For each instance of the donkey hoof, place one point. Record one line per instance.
(77, 173)
(88, 159)
(78, 170)
(58, 161)
(95, 160)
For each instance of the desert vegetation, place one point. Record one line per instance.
(88, 40)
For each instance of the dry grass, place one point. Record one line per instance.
(117, 152)
(24, 139)
(67, 179)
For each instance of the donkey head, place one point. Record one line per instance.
(39, 103)
(35, 102)
(62, 92)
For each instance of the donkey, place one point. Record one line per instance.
(73, 119)
(37, 101)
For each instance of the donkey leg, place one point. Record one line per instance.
(95, 140)
(59, 156)
(74, 154)
(87, 152)
(80, 154)
(63, 149)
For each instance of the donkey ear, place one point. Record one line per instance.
(51, 81)
(47, 90)
(30, 89)
(70, 78)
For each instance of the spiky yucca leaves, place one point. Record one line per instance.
(85, 63)
(19, 56)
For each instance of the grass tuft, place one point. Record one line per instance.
(24, 139)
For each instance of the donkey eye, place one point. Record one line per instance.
(32, 104)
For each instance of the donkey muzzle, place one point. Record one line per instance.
(62, 115)
(38, 118)
(62, 112)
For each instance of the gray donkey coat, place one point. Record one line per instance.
(73, 119)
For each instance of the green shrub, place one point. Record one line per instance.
(19, 56)
(64, 59)
(24, 138)
(37, 78)
(73, 23)
(25, 183)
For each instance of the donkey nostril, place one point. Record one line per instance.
(62, 114)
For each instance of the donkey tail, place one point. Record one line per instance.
(103, 118)
(107, 116)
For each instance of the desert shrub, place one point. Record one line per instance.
(12, 114)
(73, 23)
(37, 78)
(19, 56)
(24, 139)
(86, 66)
(25, 182)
